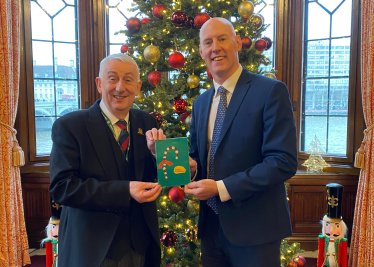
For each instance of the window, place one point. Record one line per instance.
(55, 57)
(326, 75)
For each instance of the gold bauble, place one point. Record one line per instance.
(270, 75)
(257, 21)
(140, 97)
(152, 53)
(188, 120)
(245, 9)
(193, 81)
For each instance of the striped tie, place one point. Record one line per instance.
(221, 111)
(123, 139)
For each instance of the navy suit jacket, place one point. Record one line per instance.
(89, 180)
(256, 154)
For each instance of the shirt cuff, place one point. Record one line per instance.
(222, 191)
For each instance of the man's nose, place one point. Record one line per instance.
(121, 86)
(216, 46)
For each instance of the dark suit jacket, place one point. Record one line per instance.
(256, 154)
(88, 179)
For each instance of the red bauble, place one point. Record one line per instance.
(300, 260)
(268, 42)
(190, 22)
(169, 264)
(158, 117)
(176, 60)
(200, 19)
(124, 48)
(179, 106)
(158, 10)
(260, 45)
(169, 239)
(176, 194)
(209, 74)
(292, 263)
(145, 21)
(246, 42)
(131, 52)
(179, 18)
(154, 78)
(133, 24)
(245, 20)
(184, 116)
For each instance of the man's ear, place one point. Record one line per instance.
(238, 42)
(98, 84)
(138, 86)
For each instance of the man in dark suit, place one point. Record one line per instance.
(103, 172)
(243, 139)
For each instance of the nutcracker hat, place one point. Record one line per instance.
(334, 199)
(55, 212)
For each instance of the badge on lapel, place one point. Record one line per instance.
(140, 131)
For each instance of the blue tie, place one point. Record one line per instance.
(221, 111)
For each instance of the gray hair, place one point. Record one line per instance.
(223, 20)
(124, 58)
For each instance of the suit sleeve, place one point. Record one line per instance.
(68, 188)
(194, 152)
(279, 149)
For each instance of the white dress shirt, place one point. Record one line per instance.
(113, 119)
(229, 85)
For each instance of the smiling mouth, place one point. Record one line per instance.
(119, 97)
(218, 58)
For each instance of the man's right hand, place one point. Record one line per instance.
(144, 192)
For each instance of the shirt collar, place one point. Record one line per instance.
(230, 83)
(113, 119)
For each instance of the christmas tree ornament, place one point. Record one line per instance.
(315, 163)
(169, 239)
(209, 74)
(154, 78)
(176, 194)
(270, 75)
(191, 233)
(141, 97)
(179, 106)
(190, 22)
(292, 263)
(257, 21)
(176, 60)
(300, 260)
(158, 10)
(260, 45)
(245, 9)
(152, 53)
(183, 116)
(246, 42)
(193, 81)
(133, 25)
(179, 18)
(188, 120)
(268, 42)
(124, 48)
(158, 117)
(145, 21)
(131, 51)
(200, 19)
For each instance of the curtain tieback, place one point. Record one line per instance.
(17, 152)
(360, 154)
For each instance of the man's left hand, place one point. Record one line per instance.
(152, 136)
(202, 190)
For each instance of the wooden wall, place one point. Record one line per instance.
(306, 192)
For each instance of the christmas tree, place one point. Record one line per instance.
(164, 39)
(315, 163)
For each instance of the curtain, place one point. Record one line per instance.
(362, 243)
(13, 238)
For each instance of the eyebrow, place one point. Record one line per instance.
(222, 35)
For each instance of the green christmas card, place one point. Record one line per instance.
(172, 162)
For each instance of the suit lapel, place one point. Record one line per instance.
(137, 143)
(101, 137)
(203, 127)
(237, 98)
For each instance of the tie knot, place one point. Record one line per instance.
(222, 90)
(122, 124)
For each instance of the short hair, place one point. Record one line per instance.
(124, 58)
(343, 232)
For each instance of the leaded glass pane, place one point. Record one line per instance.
(337, 137)
(341, 20)
(64, 25)
(340, 49)
(318, 22)
(318, 58)
(316, 97)
(41, 25)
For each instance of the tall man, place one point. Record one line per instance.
(243, 139)
(103, 171)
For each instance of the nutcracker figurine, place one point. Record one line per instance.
(332, 244)
(51, 242)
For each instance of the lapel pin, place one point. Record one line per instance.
(140, 131)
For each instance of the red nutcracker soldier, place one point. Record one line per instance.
(51, 242)
(332, 244)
